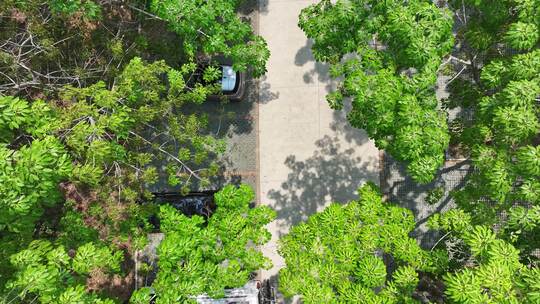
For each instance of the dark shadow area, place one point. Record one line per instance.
(230, 173)
(331, 174)
(341, 126)
(321, 70)
(261, 5)
(304, 54)
(228, 117)
(233, 122)
(402, 190)
(274, 295)
(248, 7)
(265, 92)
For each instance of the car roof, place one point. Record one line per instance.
(228, 79)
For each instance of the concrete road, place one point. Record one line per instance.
(308, 155)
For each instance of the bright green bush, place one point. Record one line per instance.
(213, 27)
(49, 274)
(30, 170)
(342, 254)
(493, 272)
(391, 84)
(501, 89)
(201, 255)
(99, 140)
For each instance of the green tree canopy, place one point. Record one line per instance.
(500, 90)
(106, 146)
(354, 253)
(50, 274)
(491, 271)
(199, 255)
(120, 128)
(29, 170)
(387, 54)
(212, 27)
(93, 98)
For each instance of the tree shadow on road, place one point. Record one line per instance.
(320, 72)
(260, 5)
(330, 175)
(341, 125)
(266, 94)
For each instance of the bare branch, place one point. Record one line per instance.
(437, 243)
(457, 75)
(145, 12)
(191, 172)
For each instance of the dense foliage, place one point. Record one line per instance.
(387, 54)
(93, 110)
(205, 256)
(501, 91)
(488, 268)
(213, 28)
(50, 274)
(93, 98)
(105, 139)
(361, 252)
(344, 254)
(120, 128)
(45, 45)
(30, 175)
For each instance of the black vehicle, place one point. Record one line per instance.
(194, 203)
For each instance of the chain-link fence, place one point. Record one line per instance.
(423, 200)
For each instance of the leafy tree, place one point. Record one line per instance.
(88, 9)
(522, 229)
(493, 272)
(29, 180)
(29, 177)
(500, 88)
(139, 121)
(387, 54)
(30, 171)
(101, 140)
(355, 253)
(45, 45)
(201, 255)
(108, 143)
(213, 27)
(106, 130)
(50, 274)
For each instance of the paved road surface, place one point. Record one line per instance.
(308, 156)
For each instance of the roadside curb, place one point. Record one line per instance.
(256, 87)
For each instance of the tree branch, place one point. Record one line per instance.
(168, 154)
